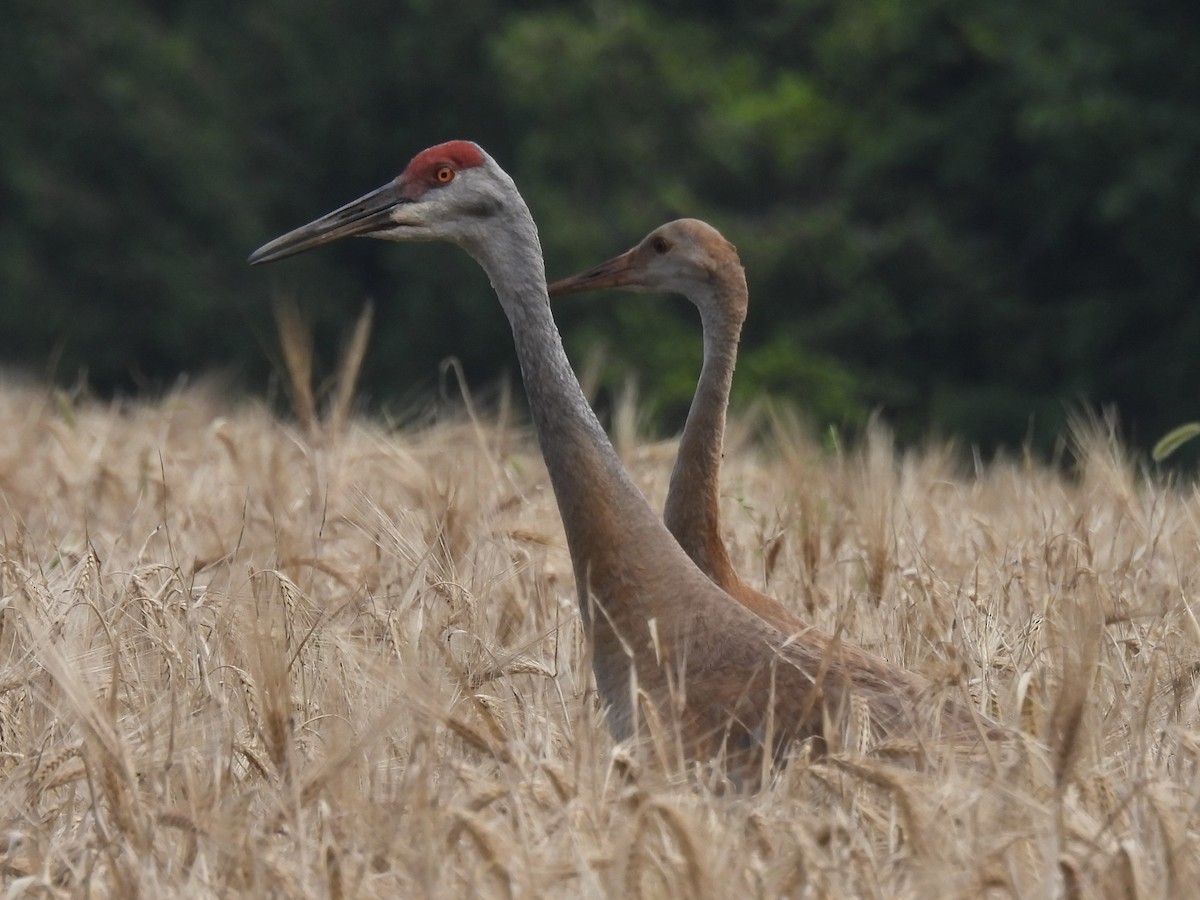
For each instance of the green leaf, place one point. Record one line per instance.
(1174, 439)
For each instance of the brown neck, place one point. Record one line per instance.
(693, 507)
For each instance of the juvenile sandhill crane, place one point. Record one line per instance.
(667, 644)
(692, 258)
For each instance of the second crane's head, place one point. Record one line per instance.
(686, 257)
(449, 192)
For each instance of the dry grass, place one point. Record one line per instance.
(238, 661)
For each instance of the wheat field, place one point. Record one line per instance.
(243, 658)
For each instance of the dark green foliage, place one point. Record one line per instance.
(970, 214)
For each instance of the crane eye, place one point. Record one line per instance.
(444, 174)
(660, 245)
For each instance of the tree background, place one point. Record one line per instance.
(968, 215)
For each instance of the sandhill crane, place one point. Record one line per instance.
(668, 646)
(692, 258)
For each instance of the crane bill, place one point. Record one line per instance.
(370, 213)
(620, 271)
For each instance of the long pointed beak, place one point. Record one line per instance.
(368, 214)
(620, 271)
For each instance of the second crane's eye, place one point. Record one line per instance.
(444, 174)
(661, 245)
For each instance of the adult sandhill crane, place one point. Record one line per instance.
(692, 258)
(668, 646)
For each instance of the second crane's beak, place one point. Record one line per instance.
(620, 271)
(377, 211)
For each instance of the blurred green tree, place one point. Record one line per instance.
(968, 214)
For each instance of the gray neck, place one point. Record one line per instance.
(606, 518)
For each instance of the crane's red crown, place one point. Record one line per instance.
(421, 173)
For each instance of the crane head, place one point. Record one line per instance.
(444, 193)
(686, 256)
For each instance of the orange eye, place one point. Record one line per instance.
(444, 174)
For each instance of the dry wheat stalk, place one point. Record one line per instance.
(1066, 601)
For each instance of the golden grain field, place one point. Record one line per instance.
(237, 659)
